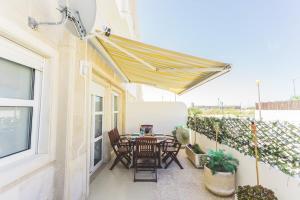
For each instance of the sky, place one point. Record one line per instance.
(260, 39)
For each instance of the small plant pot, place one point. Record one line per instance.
(220, 183)
(199, 160)
(254, 192)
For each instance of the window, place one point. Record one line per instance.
(20, 83)
(115, 110)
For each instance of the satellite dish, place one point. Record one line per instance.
(87, 10)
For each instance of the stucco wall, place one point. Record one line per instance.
(63, 172)
(38, 185)
(163, 115)
(284, 186)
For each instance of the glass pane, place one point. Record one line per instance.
(115, 103)
(15, 129)
(98, 103)
(97, 151)
(115, 120)
(98, 125)
(16, 81)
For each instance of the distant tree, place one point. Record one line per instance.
(194, 111)
(294, 98)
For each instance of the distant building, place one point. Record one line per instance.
(279, 110)
(218, 107)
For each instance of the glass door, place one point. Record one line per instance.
(97, 130)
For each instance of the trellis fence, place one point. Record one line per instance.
(278, 142)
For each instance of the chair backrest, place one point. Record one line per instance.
(113, 138)
(146, 144)
(146, 128)
(117, 134)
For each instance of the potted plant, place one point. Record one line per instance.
(182, 134)
(219, 173)
(196, 155)
(257, 192)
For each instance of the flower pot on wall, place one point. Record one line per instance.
(220, 183)
(199, 160)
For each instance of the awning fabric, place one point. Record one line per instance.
(170, 70)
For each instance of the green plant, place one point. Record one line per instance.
(182, 134)
(275, 139)
(257, 192)
(196, 149)
(295, 98)
(219, 161)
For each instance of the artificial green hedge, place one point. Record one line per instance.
(278, 142)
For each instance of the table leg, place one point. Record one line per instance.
(159, 156)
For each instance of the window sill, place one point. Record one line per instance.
(19, 170)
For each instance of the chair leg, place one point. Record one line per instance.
(127, 158)
(167, 165)
(166, 157)
(117, 159)
(177, 161)
(135, 169)
(155, 168)
(126, 165)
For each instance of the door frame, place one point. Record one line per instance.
(96, 90)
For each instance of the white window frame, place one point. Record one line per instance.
(113, 109)
(13, 52)
(96, 90)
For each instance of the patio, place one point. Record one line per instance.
(173, 184)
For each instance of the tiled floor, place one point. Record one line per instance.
(173, 184)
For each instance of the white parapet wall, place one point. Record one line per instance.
(164, 116)
(284, 186)
(292, 116)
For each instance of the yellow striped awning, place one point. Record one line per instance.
(170, 70)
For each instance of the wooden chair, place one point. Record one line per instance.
(123, 140)
(147, 129)
(121, 151)
(145, 157)
(170, 150)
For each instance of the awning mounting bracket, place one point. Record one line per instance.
(66, 14)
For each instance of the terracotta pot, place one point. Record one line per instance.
(199, 160)
(220, 183)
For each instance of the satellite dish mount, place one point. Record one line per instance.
(66, 14)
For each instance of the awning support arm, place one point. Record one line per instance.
(193, 70)
(95, 42)
(105, 39)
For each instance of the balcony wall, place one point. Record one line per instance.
(163, 115)
(284, 186)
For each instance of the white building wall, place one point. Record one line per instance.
(39, 185)
(163, 115)
(292, 116)
(60, 171)
(284, 186)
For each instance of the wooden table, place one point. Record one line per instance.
(160, 139)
